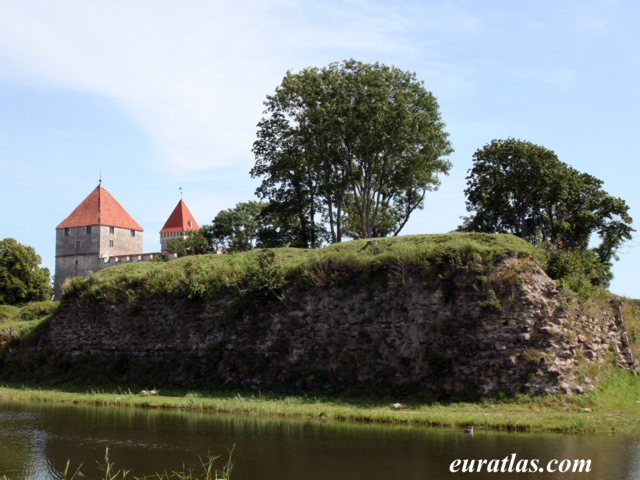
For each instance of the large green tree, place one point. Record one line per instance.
(237, 228)
(254, 224)
(279, 226)
(349, 150)
(521, 188)
(21, 277)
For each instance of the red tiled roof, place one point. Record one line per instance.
(100, 208)
(180, 220)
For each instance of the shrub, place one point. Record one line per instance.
(266, 277)
(197, 291)
(580, 271)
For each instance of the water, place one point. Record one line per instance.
(37, 440)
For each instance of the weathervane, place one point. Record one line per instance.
(180, 190)
(100, 179)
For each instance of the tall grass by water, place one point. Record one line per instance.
(614, 406)
(211, 468)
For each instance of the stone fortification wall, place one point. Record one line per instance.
(450, 333)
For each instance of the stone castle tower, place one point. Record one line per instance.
(100, 233)
(179, 223)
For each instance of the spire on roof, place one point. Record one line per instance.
(100, 208)
(180, 220)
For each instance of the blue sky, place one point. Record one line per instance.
(155, 94)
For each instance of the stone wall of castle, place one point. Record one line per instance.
(119, 241)
(81, 251)
(417, 331)
(165, 237)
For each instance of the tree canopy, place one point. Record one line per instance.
(349, 150)
(21, 277)
(237, 228)
(192, 243)
(246, 226)
(521, 188)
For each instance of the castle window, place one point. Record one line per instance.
(112, 230)
(133, 233)
(66, 232)
(111, 243)
(88, 229)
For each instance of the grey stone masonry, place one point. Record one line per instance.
(81, 251)
(426, 333)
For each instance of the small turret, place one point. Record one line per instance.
(179, 223)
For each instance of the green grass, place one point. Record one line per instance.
(18, 322)
(613, 406)
(631, 316)
(29, 311)
(205, 276)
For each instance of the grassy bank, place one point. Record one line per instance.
(14, 315)
(18, 322)
(205, 276)
(613, 407)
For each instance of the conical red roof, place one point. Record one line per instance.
(100, 208)
(180, 220)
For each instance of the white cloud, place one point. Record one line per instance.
(194, 74)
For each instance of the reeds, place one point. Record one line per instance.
(210, 468)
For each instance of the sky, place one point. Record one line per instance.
(152, 95)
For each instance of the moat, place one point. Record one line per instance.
(37, 440)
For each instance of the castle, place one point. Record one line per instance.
(100, 233)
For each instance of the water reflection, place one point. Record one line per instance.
(37, 440)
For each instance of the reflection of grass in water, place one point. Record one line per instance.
(206, 471)
(613, 406)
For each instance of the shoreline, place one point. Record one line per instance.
(596, 412)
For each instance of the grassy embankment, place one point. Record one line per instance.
(614, 405)
(20, 322)
(206, 276)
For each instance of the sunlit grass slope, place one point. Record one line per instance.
(205, 276)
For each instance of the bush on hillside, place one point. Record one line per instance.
(580, 271)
